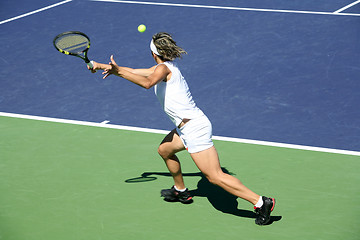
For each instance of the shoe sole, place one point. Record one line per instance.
(273, 206)
(170, 199)
(188, 200)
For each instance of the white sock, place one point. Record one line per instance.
(259, 203)
(179, 190)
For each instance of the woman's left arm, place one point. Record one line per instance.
(145, 78)
(101, 66)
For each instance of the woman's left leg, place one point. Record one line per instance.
(167, 150)
(208, 163)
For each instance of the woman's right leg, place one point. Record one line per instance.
(170, 145)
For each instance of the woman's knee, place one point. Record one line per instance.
(170, 145)
(165, 152)
(162, 152)
(215, 178)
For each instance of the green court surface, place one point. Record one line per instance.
(69, 182)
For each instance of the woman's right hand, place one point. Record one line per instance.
(93, 69)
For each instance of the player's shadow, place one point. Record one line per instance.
(220, 199)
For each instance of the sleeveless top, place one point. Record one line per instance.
(175, 97)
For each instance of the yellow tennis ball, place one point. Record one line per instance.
(141, 28)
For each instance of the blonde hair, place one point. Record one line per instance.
(167, 47)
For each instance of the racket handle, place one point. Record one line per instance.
(91, 64)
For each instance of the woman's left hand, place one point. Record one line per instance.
(112, 69)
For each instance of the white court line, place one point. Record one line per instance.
(33, 12)
(347, 6)
(83, 123)
(149, 130)
(229, 8)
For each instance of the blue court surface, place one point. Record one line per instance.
(279, 71)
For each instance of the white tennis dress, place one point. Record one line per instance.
(175, 97)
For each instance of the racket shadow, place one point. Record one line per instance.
(220, 199)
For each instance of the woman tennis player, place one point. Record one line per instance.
(193, 129)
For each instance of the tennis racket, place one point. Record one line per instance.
(74, 43)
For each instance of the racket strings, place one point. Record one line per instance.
(72, 43)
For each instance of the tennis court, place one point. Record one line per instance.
(278, 80)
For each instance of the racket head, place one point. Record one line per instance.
(73, 43)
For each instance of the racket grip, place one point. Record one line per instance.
(91, 64)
